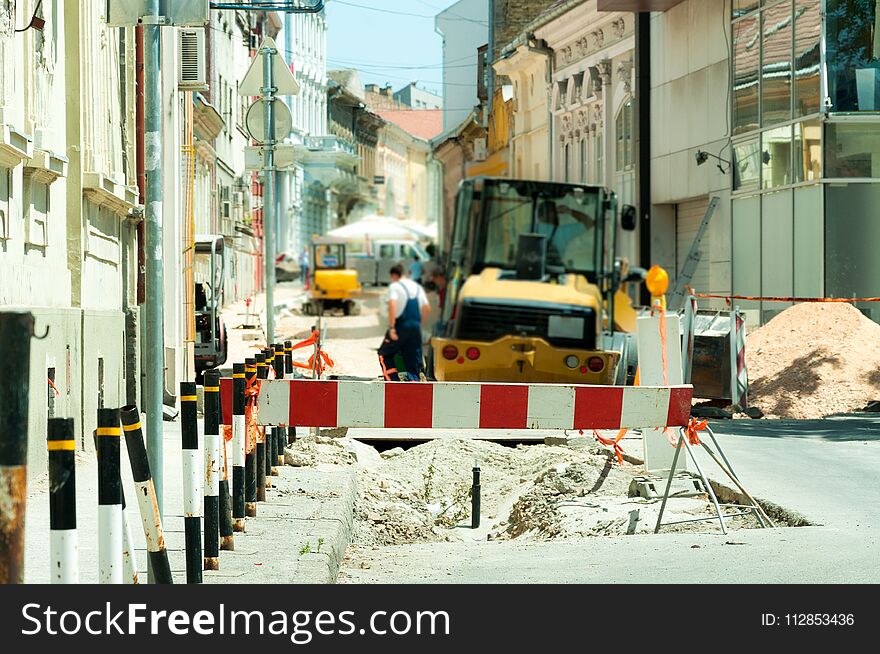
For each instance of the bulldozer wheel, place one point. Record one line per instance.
(348, 308)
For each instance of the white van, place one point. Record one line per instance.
(373, 268)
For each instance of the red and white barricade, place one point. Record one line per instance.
(450, 405)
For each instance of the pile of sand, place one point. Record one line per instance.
(814, 360)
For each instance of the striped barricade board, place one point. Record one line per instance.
(451, 405)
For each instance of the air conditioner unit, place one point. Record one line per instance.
(193, 74)
(480, 150)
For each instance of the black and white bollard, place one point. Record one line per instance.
(475, 497)
(63, 544)
(16, 330)
(260, 450)
(238, 444)
(146, 495)
(193, 471)
(212, 469)
(288, 358)
(279, 432)
(109, 497)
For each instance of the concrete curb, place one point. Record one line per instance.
(322, 567)
(300, 535)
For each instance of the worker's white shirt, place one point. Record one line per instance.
(403, 290)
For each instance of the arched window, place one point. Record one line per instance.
(625, 140)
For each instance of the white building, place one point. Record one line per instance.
(464, 27)
(303, 198)
(68, 249)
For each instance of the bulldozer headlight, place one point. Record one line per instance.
(572, 361)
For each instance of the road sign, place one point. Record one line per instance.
(285, 82)
(256, 120)
(285, 156)
(128, 13)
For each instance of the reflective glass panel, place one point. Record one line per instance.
(807, 59)
(742, 7)
(776, 66)
(852, 150)
(853, 54)
(747, 165)
(747, 51)
(776, 157)
(807, 151)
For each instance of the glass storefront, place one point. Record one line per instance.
(805, 169)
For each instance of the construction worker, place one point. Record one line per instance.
(416, 270)
(407, 307)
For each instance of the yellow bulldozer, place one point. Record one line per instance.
(332, 285)
(534, 291)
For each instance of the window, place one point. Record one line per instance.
(807, 151)
(747, 50)
(624, 134)
(776, 157)
(852, 150)
(853, 54)
(37, 208)
(387, 251)
(561, 93)
(599, 159)
(747, 165)
(776, 64)
(742, 7)
(807, 56)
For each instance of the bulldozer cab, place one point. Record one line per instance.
(328, 255)
(547, 229)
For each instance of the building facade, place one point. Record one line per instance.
(417, 98)
(68, 206)
(464, 27)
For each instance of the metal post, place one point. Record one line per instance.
(260, 445)
(64, 561)
(734, 386)
(212, 470)
(154, 319)
(16, 330)
(269, 190)
(145, 490)
(192, 482)
(475, 497)
(109, 497)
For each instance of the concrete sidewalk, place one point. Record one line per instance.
(299, 535)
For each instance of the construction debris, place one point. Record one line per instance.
(814, 360)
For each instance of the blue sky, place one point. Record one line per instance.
(387, 47)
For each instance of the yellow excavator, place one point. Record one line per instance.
(535, 292)
(333, 286)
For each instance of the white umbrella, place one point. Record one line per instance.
(373, 228)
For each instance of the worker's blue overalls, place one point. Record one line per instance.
(408, 344)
